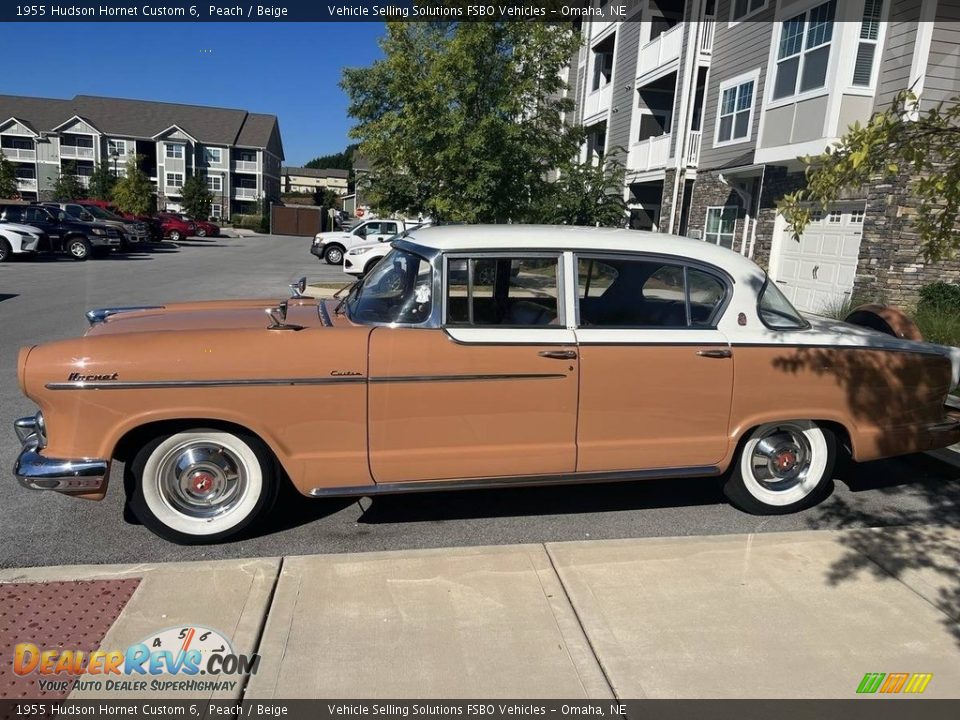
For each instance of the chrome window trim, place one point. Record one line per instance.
(222, 382)
(725, 278)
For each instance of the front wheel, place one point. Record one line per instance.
(5, 250)
(202, 486)
(201, 232)
(333, 255)
(79, 248)
(782, 468)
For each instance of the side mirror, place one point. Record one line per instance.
(86, 217)
(61, 216)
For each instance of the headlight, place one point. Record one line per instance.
(357, 251)
(98, 231)
(317, 240)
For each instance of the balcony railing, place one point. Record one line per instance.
(661, 50)
(172, 189)
(12, 153)
(598, 101)
(24, 183)
(84, 180)
(649, 154)
(706, 38)
(245, 193)
(693, 149)
(245, 165)
(76, 152)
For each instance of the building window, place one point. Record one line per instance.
(856, 217)
(215, 183)
(804, 51)
(116, 148)
(216, 210)
(175, 151)
(213, 155)
(867, 47)
(735, 114)
(174, 180)
(596, 142)
(834, 217)
(721, 225)
(739, 9)
(603, 62)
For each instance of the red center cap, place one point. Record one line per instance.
(786, 460)
(202, 482)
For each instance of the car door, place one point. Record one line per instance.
(656, 376)
(491, 390)
(42, 219)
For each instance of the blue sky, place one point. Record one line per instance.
(289, 69)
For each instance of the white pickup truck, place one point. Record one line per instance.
(331, 246)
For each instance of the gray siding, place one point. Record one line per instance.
(736, 50)
(897, 51)
(943, 69)
(624, 95)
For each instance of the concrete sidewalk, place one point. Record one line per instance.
(779, 615)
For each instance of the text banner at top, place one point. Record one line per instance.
(316, 11)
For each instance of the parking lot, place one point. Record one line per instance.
(44, 299)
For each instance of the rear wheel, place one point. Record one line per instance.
(175, 235)
(79, 248)
(5, 250)
(203, 485)
(782, 468)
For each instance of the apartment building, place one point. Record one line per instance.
(310, 180)
(710, 104)
(238, 152)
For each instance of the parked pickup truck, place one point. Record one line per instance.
(331, 246)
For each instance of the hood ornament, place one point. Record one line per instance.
(299, 288)
(278, 318)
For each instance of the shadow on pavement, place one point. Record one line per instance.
(5, 296)
(930, 553)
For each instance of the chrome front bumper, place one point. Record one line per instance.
(37, 472)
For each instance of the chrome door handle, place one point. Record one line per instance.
(559, 354)
(715, 353)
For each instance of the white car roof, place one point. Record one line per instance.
(453, 238)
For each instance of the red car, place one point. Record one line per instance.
(175, 228)
(204, 228)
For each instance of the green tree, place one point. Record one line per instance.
(8, 179)
(341, 160)
(464, 121)
(102, 182)
(67, 186)
(586, 194)
(896, 145)
(133, 192)
(197, 197)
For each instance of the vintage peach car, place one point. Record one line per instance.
(480, 356)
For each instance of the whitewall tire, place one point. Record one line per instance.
(782, 467)
(202, 485)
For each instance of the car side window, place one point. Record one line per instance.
(13, 214)
(503, 291)
(646, 293)
(388, 228)
(33, 214)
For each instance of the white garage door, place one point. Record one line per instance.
(817, 272)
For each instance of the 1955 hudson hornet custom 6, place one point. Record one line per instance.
(476, 356)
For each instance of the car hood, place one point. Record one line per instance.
(20, 227)
(208, 315)
(333, 235)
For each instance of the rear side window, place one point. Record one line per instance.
(503, 291)
(647, 293)
(775, 309)
(12, 213)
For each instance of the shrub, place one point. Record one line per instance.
(250, 222)
(940, 296)
(939, 324)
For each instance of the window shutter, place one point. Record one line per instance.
(863, 66)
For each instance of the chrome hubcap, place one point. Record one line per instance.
(781, 459)
(78, 249)
(202, 479)
(335, 256)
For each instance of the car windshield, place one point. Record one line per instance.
(99, 212)
(397, 290)
(775, 310)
